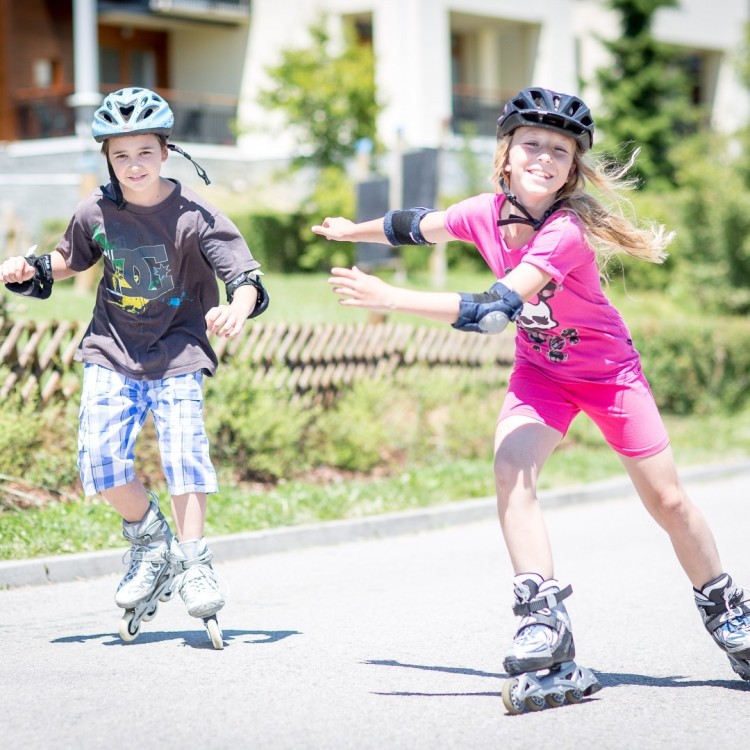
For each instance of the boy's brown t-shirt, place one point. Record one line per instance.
(160, 265)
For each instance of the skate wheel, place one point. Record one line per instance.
(148, 616)
(574, 696)
(510, 697)
(555, 700)
(167, 595)
(535, 703)
(128, 632)
(214, 632)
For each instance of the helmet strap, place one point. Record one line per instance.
(527, 218)
(119, 198)
(198, 168)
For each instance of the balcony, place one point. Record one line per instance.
(219, 11)
(199, 118)
(475, 110)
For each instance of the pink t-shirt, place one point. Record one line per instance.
(570, 330)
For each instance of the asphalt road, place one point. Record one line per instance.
(393, 642)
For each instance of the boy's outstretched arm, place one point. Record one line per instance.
(33, 276)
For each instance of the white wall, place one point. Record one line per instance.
(412, 47)
(698, 25)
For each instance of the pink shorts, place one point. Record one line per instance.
(626, 413)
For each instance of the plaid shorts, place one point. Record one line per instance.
(113, 410)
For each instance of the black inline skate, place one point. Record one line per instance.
(726, 615)
(542, 653)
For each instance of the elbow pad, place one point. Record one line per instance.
(489, 312)
(40, 286)
(251, 278)
(401, 227)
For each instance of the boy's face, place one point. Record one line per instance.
(136, 161)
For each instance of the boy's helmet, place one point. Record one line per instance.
(542, 108)
(132, 110)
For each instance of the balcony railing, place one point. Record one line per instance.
(475, 111)
(199, 118)
(225, 11)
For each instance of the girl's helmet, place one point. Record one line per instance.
(542, 108)
(132, 110)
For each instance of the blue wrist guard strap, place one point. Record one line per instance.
(489, 312)
(401, 226)
(251, 278)
(40, 286)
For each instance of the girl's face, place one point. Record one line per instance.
(539, 162)
(136, 161)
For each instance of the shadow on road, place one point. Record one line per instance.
(193, 638)
(607, 679)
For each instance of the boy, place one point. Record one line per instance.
(146, 348)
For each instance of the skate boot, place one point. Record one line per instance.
(198, 585)
(726, 615)
(150, 576)
(543, 650)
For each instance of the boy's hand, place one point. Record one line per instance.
(225, 321)
(16, 270)
(359, 289)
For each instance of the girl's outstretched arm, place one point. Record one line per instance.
(432, 227)
(358, 289)
(489, 312)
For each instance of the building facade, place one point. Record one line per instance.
(443, 68)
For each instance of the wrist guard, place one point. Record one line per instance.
(489, 312)
(251, 278)
(401, 227)
(40, 286)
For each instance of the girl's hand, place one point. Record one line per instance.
(225, 321)
(359, 289)
(337, 228)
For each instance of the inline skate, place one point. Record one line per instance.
(198, 584)
(150, 577)
(542, 653)
(726, 615)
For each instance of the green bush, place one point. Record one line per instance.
(38, 446)
(696, 368)
(257, 431)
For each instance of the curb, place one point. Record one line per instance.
(79, 566)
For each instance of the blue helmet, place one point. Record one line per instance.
(542, 108)
(132, 110)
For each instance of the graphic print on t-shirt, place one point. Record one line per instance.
(537, 320)
(139, 276)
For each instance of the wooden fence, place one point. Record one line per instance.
(316, 360)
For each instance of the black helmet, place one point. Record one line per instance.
(542, 108)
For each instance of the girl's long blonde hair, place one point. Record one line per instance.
(606, 222)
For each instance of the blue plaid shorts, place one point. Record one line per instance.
(113, 410)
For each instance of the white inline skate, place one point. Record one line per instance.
(542, 651)
(150, 577)
(726, 615)
(198, 585)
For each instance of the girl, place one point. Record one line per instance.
(544, 238)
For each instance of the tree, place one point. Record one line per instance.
(645, 93)
(329, 99)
